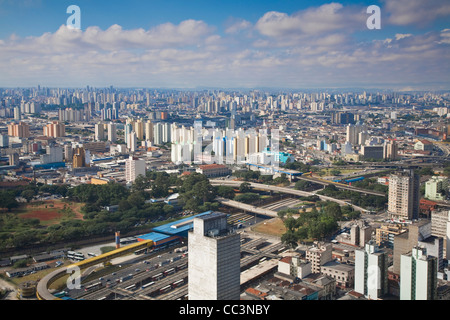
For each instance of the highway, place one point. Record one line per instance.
(282, 190)
(342, 186)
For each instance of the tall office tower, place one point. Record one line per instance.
(112, 132)
(371, 271)
(148, 131)
(134, 167)
(403, 202)
(418, 275)
(99, 132)
(214, 259)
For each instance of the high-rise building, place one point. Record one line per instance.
(20, 130)
(391, 150)
(403, 202)
(403, 243)
(440, 227)
(214, 259)
(134, 167)
(112, 132)
(371, 271)
(55, 129)
(132, 141)
(79, 158)
(99, 131)
(418, 275)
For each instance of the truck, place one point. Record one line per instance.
(128, 277)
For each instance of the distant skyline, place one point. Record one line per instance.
(226, 44)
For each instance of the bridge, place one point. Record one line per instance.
(246, 207)
(43, 292)
(342, 186)
(299, 193)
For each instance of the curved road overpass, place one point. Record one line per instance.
(42, 288)
(285, 190)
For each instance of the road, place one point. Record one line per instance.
(286, 190)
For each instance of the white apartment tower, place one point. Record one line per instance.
(403, 202)
(134, 167)
(418, 276)
(371, 267)
(214, 259)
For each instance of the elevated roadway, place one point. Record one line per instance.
(43, 292)
(342, 186)
(283, 190)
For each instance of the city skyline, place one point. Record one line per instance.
(254, 44)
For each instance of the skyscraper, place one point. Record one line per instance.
(404, 195)
(214, 259)
(112, 132)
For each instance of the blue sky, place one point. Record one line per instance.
(294, 44)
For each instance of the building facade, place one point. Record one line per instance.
(214, 259)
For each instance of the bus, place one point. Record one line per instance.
(178, 283)
(181, 267)
(141, 251)
(77, 256)
(165, 289)
(132, 287)
(147, 285)
(157, 277)
(93, 287)
(90, 254)
(169, 271)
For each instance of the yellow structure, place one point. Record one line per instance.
(42, 287)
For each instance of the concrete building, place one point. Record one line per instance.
(440, 227)
(403, 243)
(318, 255)
(437, 188)
(214, 259)
(214, 170)
(134, 167)
(386, 233)
(418, 276)
(372, 152)
(423, 145)
(112, 132)
(55, 129)
(294, 266)
(371, 271)
(403, 202)
(20, 130)
(344, 274)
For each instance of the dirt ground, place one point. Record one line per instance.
(12, 295)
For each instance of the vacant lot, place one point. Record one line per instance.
(51, 212)
(274, 227)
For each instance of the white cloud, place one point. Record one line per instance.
(415, 12)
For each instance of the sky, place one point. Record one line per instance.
(226, 44)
